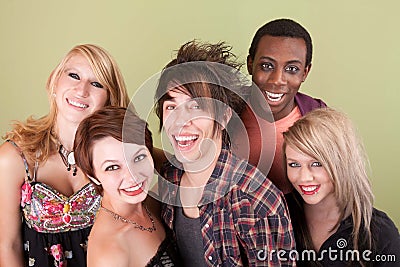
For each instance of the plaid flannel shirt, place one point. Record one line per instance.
(244, 218)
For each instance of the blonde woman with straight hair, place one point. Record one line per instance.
(332, 204)
(40, 180)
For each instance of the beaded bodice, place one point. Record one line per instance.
(46, 210)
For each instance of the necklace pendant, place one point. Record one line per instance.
(71, 158)
(68, 158)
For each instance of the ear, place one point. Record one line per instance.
(94, 180)
(306, 71)
(250, 65)
(227, 117)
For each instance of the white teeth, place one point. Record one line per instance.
(309, 188)
(76, 104)
(185, 138)
(131, 189)
(183, 145)
(273, 97)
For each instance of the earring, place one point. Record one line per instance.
(54, 95)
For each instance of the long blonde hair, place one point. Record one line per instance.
(329, 136)
(35, 136)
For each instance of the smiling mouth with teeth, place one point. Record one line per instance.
(134, 188)
(77, 104)
(185, 141)
(273, 97)
(309, 190)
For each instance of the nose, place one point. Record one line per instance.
(277, 77)
(306, 175)
(180, 117)
(82, 89)
(130, 174)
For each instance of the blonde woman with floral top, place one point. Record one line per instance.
(39, 177)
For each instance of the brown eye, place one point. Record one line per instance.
(292, 69)
(112, 168)
(267, 66)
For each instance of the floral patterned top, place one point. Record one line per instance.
(48, 211)
(55, 227)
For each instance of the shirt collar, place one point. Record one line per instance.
(217, 185)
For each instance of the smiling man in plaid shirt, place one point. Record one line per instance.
(224, 212)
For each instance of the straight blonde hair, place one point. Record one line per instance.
(35, 137)
(330, 137)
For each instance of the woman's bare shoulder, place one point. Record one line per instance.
(11, 162)
(9, 152)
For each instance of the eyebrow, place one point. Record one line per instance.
(140, 151)
(171, 99)
(67, 70)
(108, 161)
(71, 68)
(288, 62)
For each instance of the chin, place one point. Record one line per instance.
(186, 157)
(137, 199)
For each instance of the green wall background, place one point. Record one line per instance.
(355, 64)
